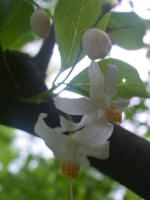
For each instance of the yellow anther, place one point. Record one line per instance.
(70, 169)
(113, 114)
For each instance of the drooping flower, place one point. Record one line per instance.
(100, 104)
(96, 43)
(73, 149)
(40, 23)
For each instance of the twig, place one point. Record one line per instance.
(46, 51)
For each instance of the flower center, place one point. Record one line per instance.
(113, 114)
(70, 169)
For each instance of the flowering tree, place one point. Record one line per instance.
(90, 134)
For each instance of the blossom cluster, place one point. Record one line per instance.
(99, 112)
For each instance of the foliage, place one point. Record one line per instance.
(15, 20)
(127, 30)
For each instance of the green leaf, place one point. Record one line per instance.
(129, 83)
(72, 19)
(28, 37)
(127, 30)
(17, 24)
(129, 195)
(6, 7)
(79, 83)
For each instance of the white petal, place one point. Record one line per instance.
(82, 159)
(73, 106)
(96, 80)
(94, 135)
(92, 117)
(121, 103)
(101, 152)
(53, 138)
(111, 80)
(88, 119)
(68, 125)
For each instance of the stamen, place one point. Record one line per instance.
(70, 169)
(71, 189)
(113, 114)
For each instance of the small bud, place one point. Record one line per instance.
(40, 23)
(113, 3)
(96, 43)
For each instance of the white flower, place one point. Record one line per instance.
(100, 104)
(74, 149)
(40, 23)
(96, 43)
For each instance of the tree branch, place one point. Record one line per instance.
(129, 161)
(45, 53)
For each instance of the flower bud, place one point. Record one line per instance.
(40, 23)
(96, 43)
(113, 3)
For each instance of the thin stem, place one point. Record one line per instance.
(106, 8)
(74, 64)
(77, 88)
(76, 60)
(71, 190)
(53, 86)
(33, 99)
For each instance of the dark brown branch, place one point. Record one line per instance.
(6, 77)
(26, 73)
(129, 161)
(45, 53)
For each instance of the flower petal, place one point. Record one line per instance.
(101, 152)
(96, 80)
(88, 119)
(53, 138)
(82, 159)
(111, 80)
(94, 135)
(73, 106)
(68, 125)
